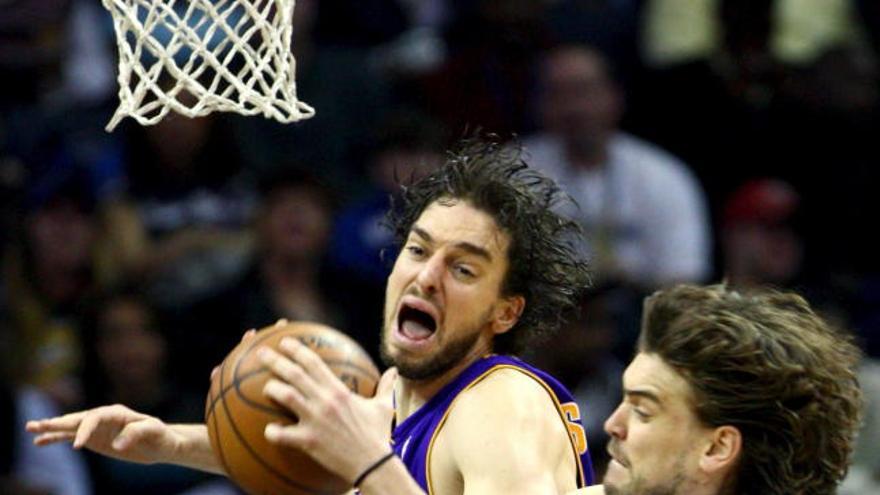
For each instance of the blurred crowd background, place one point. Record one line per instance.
(703, 140)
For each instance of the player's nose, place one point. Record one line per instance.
(615, 425)
(430, 276)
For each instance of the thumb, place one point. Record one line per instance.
(253, 331)
(385, 389)
(132, 434)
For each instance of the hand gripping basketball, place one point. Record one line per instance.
(238, 411)
(342, 430)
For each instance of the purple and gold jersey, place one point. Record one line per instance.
(413, 439)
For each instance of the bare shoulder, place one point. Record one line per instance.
(505, 434)
(506, 399)
(504, 388)
(590, 490)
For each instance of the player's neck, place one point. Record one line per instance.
(411, 395)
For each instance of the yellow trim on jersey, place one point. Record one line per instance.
(478, 379)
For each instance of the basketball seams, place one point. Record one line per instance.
(244, 443)
(233, 385)
(213, 416)
(238, 380)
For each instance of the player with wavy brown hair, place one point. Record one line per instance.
(734, 393)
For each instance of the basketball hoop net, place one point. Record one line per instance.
(219, 55)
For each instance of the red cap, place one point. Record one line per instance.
(768, 201)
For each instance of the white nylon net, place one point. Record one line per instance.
(200, 56)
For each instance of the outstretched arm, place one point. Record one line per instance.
(122, 433)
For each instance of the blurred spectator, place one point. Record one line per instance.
(57, 71)
(643, 210)
(26, 469)
(408, 146)
(128, 365)
(612, 26)
(348, 95)
(728, 109)
(32, 470)
(714, 110)
(419, 49)
(488, 79)
(182, 227)
(759, 242)
(287, 277)
(804, 29)
(129, 354)
(53, 51)
(32, 36)
(680, 31)
(827, 139)
(49, 271)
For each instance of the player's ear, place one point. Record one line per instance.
(507, 313)
(722, 450)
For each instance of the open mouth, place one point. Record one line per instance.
(415, 324)
(615, 456)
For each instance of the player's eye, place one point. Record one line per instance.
(415, 250)
(463, 271)
(644, 416)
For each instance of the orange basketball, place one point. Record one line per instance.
(237, 412)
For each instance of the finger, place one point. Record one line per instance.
(287, 370)
(288, 436)
(385, 389)
(313, 365)
(54, 437)
(67, 422)
(287, 396)
(131, 434)
(249, 334)
(281, 322)
(88, 425)
(214, 372)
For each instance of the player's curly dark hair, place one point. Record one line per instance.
(546, 262)
(768, 365)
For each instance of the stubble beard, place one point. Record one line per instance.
(639, 486)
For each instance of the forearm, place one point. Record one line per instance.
(391, 477)
(194, 449)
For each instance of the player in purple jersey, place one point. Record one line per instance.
(486, 267)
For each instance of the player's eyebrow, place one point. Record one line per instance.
(644, 394)
(422, 233)
(463, 245)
